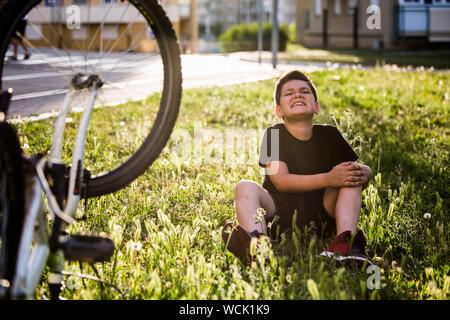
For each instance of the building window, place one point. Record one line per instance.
(80, 34)
(423, 2)
(410, 1)
(80, 2)
(34, 32)
(109, 2)
(109, 32)
(318, 8)
(337, 7)
(351, 6)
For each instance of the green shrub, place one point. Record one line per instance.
(244, 37)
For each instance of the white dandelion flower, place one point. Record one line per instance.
(136, 246)
(288, 279)
(336, 77)
(427, 215)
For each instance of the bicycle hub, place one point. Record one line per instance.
(82, 81)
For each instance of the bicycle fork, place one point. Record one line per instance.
(74, 191)
(54, 250)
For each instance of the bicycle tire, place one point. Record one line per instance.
(140, 159)
(11, 203)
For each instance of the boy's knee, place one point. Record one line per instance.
(246, 182)
(245, 187)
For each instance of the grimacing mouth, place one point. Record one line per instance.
(298, 104)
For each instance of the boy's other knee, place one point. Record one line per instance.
(329, 200)
(248, 191)
(357, 189)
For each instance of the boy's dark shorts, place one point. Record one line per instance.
(310, 212)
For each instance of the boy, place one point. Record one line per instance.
(310, 170)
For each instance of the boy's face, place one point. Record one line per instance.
(297, 101)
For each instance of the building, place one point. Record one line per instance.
(372, 23)
(287, 11)
(55, 23)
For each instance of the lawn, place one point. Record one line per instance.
(167, 224)
(426, 58)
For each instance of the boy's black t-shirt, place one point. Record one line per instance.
(324, 150)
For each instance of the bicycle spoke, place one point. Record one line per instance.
(125, 65)
(29, 44)
(99, 30)
(38, 105)
(130, 48)
(34, 68)
(37, 9)
(116, 29)
(128, 94)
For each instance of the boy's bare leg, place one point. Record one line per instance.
(249, 197)
(348, 208)
(344, 204)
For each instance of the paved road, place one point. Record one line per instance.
(41, 82)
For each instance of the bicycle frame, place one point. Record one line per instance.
(31, 263)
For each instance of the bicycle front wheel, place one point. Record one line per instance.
(130, 45)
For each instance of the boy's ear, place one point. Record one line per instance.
(317, 108)
(278, 112)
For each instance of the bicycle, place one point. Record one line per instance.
(28, 241)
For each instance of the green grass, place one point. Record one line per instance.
(166, 225)
(427, 59)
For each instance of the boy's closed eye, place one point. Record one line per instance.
(290, 92)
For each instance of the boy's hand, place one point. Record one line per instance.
(367, 174)
(347, 174)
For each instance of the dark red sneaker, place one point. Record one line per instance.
(346, 248)
(357, 251)
(237, 240)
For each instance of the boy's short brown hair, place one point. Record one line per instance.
(292, 75)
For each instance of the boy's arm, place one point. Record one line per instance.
(346, 174)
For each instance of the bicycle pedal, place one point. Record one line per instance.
(86, 248)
